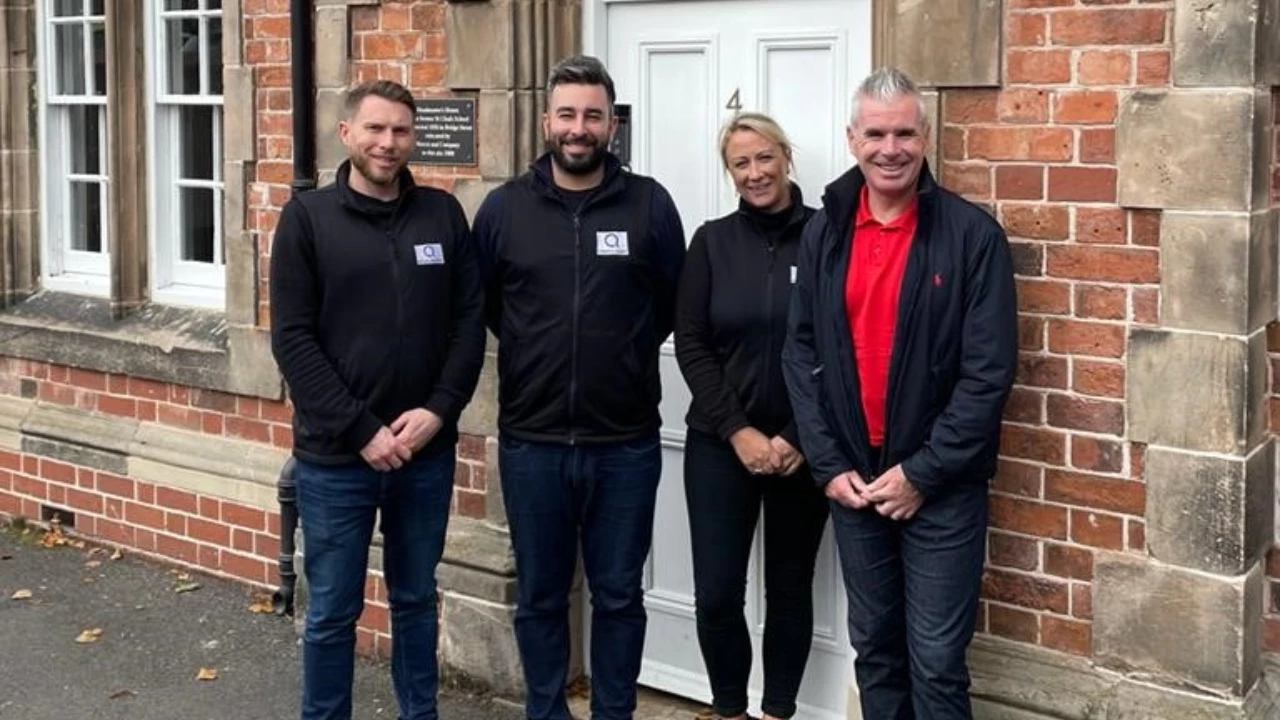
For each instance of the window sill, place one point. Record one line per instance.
(185, 346)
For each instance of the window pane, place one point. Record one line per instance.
(96, 7)
(99, 41)
(215, 57)
(182, 5)
(214, 4)
(195, 138)
(68, 8)
(196, 224)
(69, 56)
(183, 51)
(86, 216)
(85, 152)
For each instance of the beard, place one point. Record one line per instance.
(580, 165)
(376, 175)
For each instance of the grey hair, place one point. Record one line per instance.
(581, 70)
(884, 85)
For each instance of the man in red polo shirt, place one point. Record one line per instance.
(900, 354)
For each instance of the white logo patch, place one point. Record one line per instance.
(429, 254)
(612, 242)
(793, 274)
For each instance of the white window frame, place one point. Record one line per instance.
(173, 280)
(63, 267)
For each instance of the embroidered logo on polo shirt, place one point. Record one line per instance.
(612, 242)
(429, 254)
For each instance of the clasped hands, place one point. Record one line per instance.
(892, 494)
(763, 455)
(393, 446)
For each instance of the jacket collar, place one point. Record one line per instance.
(544, 179)
(797, 209)
(840, 199)
(347, 196)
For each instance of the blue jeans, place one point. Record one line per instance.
(913, 599)
(602, 496)
(338, 505)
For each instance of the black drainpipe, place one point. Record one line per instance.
(302, 47)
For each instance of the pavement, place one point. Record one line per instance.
(154, 642)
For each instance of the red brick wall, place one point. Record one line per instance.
(1040, 152)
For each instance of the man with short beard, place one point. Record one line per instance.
(580, 260)
(377, 325)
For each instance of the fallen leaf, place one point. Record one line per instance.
(23, 594)
(121, 694)
(93, 563)
(89, 636)
(183, 577)
(262, 605)
(187, 587)
(207, 674)
(77, 544)
(117, 554)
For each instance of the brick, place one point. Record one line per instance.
(1019, 182)
(1017, 478)
(1144, 228)
(276, 412)
(245, 517)
(1020, 143)
(88, 379)
(1023, 105)
(462, 475)
(1101, 225)
(1104, 67)
(122, 406)
(266, 545)
(210, 508)
(1022, 4)
(85, 501)
(1096, 492)
(57, 472)
(1146, 306)
(1082, 184)
(1137, 460)
(1098, 146)
(1120, 265)
(1039, 444)
(1153, 68)
(1080, 413)
(148, 389)
(59, 394)
(212, 399)
(136, 514)
(1074, 337)
(1097, 455)
(272, 76)
(1031, 332)
(1097, 529)
(175, 523)
(1082, 601)
(953, 143)
(1108, 27)
(391, 46)
(1042, 371)
(210, 532)
(1036, 222)
(1025, 406)
(1027, 517)
(1071, 636)
(1044, 296)
(1013, 623)
(1068, 562)
(282, 436)
(469, 504)
(1271, 634)
(1137, 532)
(171, 499)
(211, 423)
(115, 532)
(1025, 29)
(242, 566)
(428, 16)
(178, 416)
(1013, 551)
(1084, 107)
(1036, 593)
(1038, 67)
(1102, 302)
(969, 107)
(471, 447)
(971, 180)
(248, 429)
(115, 485)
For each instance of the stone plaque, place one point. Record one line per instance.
(446, 131)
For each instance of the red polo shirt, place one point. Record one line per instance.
(871, 290)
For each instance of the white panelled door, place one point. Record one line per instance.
(685, 66)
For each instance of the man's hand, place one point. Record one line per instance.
(754, 450)
(415, 428)
(894, 495)
(385, 451)
(789, 458)
(848, 489)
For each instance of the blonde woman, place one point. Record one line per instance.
(743, 451)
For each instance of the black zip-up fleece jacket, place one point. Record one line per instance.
(374, 312)
(954, 351)
(580, 291)
(731, 320)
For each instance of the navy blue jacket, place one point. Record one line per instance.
(580, 291)
(954, 354)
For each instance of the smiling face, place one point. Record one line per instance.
(578, 126)
(758, 167)
(379, 139)
(889, 139)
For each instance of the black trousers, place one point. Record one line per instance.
(724, 501)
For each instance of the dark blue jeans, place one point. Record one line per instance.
(338, 505)
(602, 497)
(913, 598)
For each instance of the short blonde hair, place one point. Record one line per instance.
(758, 123)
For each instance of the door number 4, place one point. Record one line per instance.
(735, 101)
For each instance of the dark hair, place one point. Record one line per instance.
(386, 89)
(581, 70)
